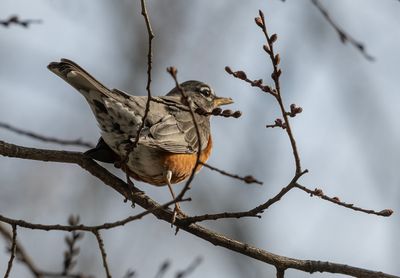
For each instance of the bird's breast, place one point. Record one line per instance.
(150, 165)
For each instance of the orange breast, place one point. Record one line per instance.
(181, 165)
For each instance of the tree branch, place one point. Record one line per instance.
(80, 227)
(16, 21)
(186, 272)
(21, 253)
(213, 237)
(173, 72)
(12, 250)
(103, 252)
(246, 179)
(319, 193)
(148, 86)
(343, 36)
(77, 142)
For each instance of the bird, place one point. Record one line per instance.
(167, 145)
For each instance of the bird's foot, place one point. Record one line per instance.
(178, 212)
(132, 190)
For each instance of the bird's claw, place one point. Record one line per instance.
(178, 212)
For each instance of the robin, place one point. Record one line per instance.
(167, 148)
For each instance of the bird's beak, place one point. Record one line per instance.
(218, 101)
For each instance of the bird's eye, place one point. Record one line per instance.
(205, 91)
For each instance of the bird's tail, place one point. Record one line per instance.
(116, 112)
(77, 77)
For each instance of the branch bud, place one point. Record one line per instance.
(386, 212)
(227, 113)
(273, 38)
(277, 59)
(216, 111)
(237, 114)
(259, 22)
(266, 48)
(172, 70)
(228, 70)
(240, 74)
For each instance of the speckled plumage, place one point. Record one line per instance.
(168, 129)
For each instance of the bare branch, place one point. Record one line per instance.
(129, 273)
(246, 179)
(80, 227)
(319, 193)
(250, 213)
(163, 269)
(254, 83)
(77, 142)
(255, 212)
(150, 33)
(21, 253)
(285, 125)
(215, 112)
(72, 251)
(276, 91)
(213, 237)
(12, 250)
(343, 36)
(173, 72)
(275, 60)
(103, 252)
(16, 21)
(184, 273)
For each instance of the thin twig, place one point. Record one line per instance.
(173, 72)
(77, 142)
(80, 227)
(319, 193)
(227, 113)
(12, 250)
(259, 209)
(344, 36)
(16, 21)
(103, 252)
(246, 179)
(275, 60)
(21, 253)
(150, 33)
(186, 272)
(129, 273)
(255, 212)
(254, 83)
(72, 251)
(275, 91)
(163, 269)
(284, 124)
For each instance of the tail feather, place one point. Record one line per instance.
(77, 77)
(95, 93)
(117, 113)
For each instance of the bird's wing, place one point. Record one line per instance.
(119, 115)
(176, 132)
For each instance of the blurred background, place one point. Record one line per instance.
(347, 135)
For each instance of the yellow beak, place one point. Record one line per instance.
(218, 101)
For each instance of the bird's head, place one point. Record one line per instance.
(201, 94)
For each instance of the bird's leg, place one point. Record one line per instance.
(131, 186)
(177, 209)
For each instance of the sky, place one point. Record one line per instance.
(347, 135)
